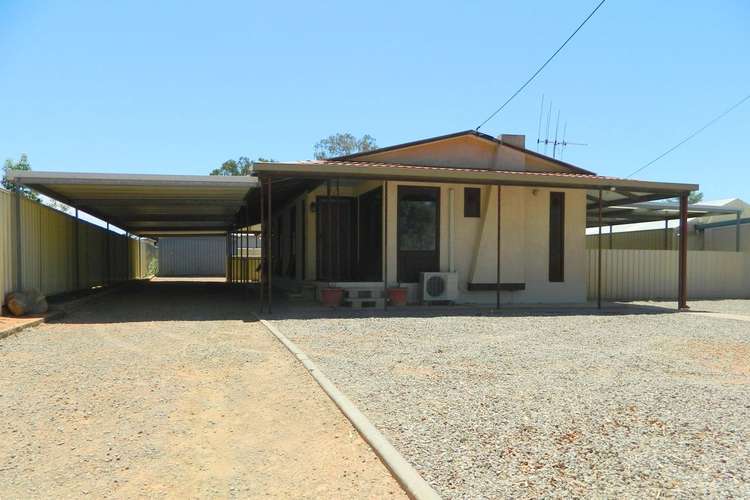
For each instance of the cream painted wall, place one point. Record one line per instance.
(524, 240)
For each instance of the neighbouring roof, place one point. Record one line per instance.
(651, 215)
(474, 133)
(147, 204)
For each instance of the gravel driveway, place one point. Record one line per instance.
(171, 390)
(529, 405)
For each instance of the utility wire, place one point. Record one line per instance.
(542, 66)
(686, 139)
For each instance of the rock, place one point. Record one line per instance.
(26, 302)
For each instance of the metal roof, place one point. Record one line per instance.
(618, 189)
(616, 214)
(150, 205)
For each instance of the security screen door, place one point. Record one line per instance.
(418, 232)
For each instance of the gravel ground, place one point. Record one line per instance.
(627, 405)
(171, 390)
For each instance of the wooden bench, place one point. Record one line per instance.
(491, 287)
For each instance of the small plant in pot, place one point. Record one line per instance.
(396, 295)
(331, 296)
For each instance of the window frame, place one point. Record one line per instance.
(475, 205)
(556, 264)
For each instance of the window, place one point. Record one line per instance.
(556, 236)
(472, 197)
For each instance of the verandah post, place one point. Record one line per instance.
(682, 272)
(599, 257)
(497, 278)
(270, 245)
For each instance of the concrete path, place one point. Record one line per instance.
(172, 390)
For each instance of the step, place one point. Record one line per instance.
(360, 303)
(363, 293)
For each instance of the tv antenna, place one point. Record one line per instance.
(558, 144)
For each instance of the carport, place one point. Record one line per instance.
(154, 206)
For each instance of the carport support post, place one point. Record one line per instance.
(77, 247)
(247, 244)
(497, 267)
(599, 256)
(737, 233)
(682, 277)
(109, 267)
(262, 244)
(666, 234)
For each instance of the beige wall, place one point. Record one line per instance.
(524, 240)
(725, 238)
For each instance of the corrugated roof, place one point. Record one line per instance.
(454, 169)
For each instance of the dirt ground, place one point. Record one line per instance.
(171, 390)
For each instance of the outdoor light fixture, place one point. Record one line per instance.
(312, 207)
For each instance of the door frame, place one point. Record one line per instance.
(409, 187)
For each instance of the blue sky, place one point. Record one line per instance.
(179, 87)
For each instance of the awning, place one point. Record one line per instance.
(623, 200)
(148, 205)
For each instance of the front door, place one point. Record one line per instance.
(418, 232)
(335, 238)
(370, 231)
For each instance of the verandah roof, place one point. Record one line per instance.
(618, 194)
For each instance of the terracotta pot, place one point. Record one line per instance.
(331, 297)
(397, 296)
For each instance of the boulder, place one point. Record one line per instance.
(26, 302)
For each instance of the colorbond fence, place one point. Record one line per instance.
(193, 256)
(652, 274)
(47, 250)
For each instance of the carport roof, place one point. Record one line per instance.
(147, 204)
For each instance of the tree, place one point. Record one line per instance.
(342, 144)
(693, 197)
(241, 166)
(21, 164)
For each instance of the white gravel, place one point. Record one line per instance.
(532, 405)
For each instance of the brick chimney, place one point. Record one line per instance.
(517, 140)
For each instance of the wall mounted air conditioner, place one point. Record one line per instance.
(434, 287)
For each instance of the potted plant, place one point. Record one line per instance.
(331, 296)
(396, 295)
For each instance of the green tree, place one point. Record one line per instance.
(21, 164)
(241, 166)
(342, 144)
(693, 197)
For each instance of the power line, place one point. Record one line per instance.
(542, 66)
(704, 127)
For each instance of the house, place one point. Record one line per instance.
(504, 223)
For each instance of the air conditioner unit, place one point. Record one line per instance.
(434, 287)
